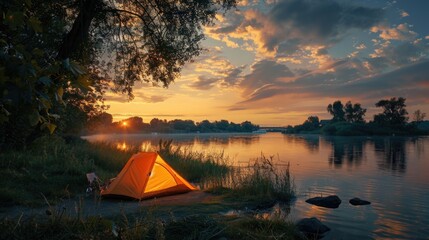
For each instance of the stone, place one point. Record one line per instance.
(357, 201)
(332, 201)
(312, 226)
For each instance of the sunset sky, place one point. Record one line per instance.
(276, 62)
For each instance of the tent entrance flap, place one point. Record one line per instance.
(147, 175)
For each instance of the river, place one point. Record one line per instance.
(391, 172)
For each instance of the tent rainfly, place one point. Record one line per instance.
(147, 175)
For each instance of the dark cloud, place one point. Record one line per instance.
(347, 81)
(377, 64)
(291, 24)
(138, 96)
(118, 98)
(233, 77)
(407, 52)
(264, 72)
(315, 20)
(204, 83)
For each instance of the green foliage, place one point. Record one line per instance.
(394, 112)
(337, 111)
(354, 113)
(57, 58)
(253, 228)
(368, 129)
(345, 129)
(35, 87)
(61, 226)
(103, 123)
(64, 227)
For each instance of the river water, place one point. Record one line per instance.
(391, 172)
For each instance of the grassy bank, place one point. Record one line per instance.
(52, 170)
(149, 227)
(55, 169)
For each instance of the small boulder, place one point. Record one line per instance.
(357, 201)
(332, 201)
(312, 226)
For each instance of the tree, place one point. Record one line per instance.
(222, 125)
(311, 123)
(205, 126)
(247, 126)
(100, 123)
(418, 116)
(337, 111)
(354, 113)
(394, 112)
(52, 47)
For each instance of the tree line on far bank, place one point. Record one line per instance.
(103, 123)
(349, 119)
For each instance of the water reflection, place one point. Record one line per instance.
(348, 150)
(148, 142)
(225, 140)
(391, 154)
(310, 142)
(320, 167)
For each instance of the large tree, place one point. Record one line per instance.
(354, 113)
(394, 112)
(337, 111)
(52, 47)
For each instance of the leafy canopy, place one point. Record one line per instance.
(55, 53)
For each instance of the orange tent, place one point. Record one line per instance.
(147, 175)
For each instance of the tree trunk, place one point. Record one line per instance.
(80, 29)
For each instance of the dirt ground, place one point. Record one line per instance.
(93, 206)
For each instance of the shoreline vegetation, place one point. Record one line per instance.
(52, 170)
(348, 120)
(103, 123)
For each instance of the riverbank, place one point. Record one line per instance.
(357, 129)
(43, 188)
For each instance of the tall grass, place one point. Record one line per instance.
(55, 169)
(197, 167)
(147, 226)
(262, 181)
(52, 168)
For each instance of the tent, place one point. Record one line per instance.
(147, 175)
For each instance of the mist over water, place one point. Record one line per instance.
(391, 172)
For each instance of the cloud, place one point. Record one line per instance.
(233, 77)
(210, 71)
(401, 32)
(204, 83)
(343, 79)
(404, 14)
(138, 97)
(264, 72)
(291, 25)
(403, 53)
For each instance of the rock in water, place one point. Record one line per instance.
(332, 201)
(312, 226)
(357, 201)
